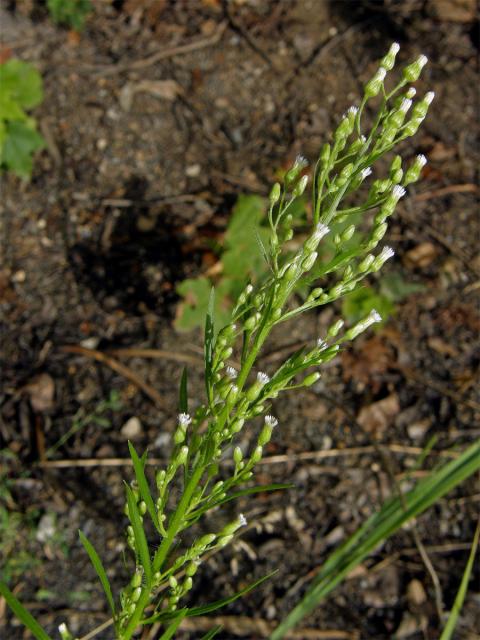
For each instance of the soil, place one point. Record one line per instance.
(146, 154)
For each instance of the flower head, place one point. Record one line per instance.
(381, 73)
(320, 231)
(184, 419)
(364, 173)
(405, 105)
(421, 160)
(429, 97)
(262, 378)
(398, 192)
(242, 520)
(395, 48)
(373, 317)
(231, 372)
(422, 61)
(271, 421)
(321, 344)
(386, 254)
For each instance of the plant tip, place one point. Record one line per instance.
(398, 192)
(271, 421)
(232, 373)
(374, 316)
(422, 60)
(184, 419)
(242, 520)
(262, 378)
(406, 104)
(395, 48)
(429, 97)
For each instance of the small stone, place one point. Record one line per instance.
(132, 428)
(102, 144)
(418, 429)
(416, 593)
(46, 528)
(193, 170)
(19, 276)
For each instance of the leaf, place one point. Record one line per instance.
(139, 534)
(213, 606)
(22, 82)
(212, 633)
(462, 590)
(394, 287)
(183, 400)
(139, 468)
(22, 614)
(209, 343)
(168, 633)
(20, 142)
(380, 526)
(99, 568)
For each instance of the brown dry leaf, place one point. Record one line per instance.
(163, 89)
(42, 392)
(372, 358)
(420, 256)
(441, 347)
(377, 417)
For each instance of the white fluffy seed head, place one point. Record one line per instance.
(262, 378)
(429, 97)
(421, 160)
(242, 520)
(398, 192)
(184, 419)
(406, 104)
(271, 421)
(231, 373)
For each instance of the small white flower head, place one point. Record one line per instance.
(184, 419)
(249, 288)
(321, 344)
(262, 378)
(386, 254)
(374, 317)
(421, 160)
(234, 389)
(363, 139)
(321, 230)
(429, 97)
(365, 172)
(231, 372)
(242, 520)
(352, 111)
(300, 161)
(398, 192)
(422, 61)
(411, 93)
(406, 104)
(381, 73)
(395, 48)
(271, 421)
(62, 628)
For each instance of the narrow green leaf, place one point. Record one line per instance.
(22, 614)
(168, 633)
(379, 527)
(183, 400)
(212, 633)
(138, 532)
(139, 468)
(99, 568)
(209, 344)
(462, 590)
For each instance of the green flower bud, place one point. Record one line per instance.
(294, 172)
(275, 193)
(136, 593)
(347, 234)
(222, 542)
(413, 172)
(366, 263)
(237, 456)
(206, 540)
(188, 584)
(412, 72)
(388, 61)
(192, 568)
(335, 328)
(142, 507)
(251, 323)
(311, 379)
(379, 231)
(266, 433)
(182, 456)
(256, 455)
(136, 581)
(172, 581)
(373, 86)
(309, 261)
(300, 187)
(64, 632)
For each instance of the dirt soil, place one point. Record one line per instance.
(156, 118)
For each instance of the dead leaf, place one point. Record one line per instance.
(372, 358)
(441, 347)
(42, 392)
(377, 417)
(420, 256)
(163, 89)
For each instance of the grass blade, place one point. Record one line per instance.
(209, 345)
(169, 633)
(99, 568)
(378, 527)
(183, 400)
(212, 633)
(462, 590)
(139, 534)
(139, 467)
(22, 614)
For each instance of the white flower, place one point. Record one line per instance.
(352, 111)
(398, 192)
(386, 254)
(321, 344)
(422, 60)
(395, 48)
(429, 97)
(364, 173)
(271, 421)
(411, 93)
(249, 288)
(363, 139)
(421, 160)
(262, 378)
(373, 317)
(184, 419)
(300, 161)
(242, 520)
(321, 230)
(406, 104)
(62, 628)
(381, 73)
(231, 372)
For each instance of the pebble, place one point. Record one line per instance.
(193, 170)
(132, 428)
(46, 528)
